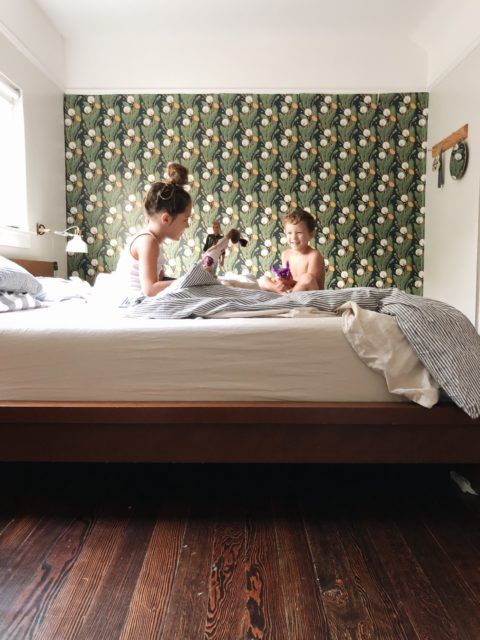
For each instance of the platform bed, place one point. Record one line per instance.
(235, 432)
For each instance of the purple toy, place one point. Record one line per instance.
(284, 272)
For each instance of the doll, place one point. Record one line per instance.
(210, 258)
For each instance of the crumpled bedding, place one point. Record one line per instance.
(443, 339)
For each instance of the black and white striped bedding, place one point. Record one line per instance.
(444, 340)
(17, 301)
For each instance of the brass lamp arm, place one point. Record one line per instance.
(42, 230)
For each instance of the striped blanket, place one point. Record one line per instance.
(444, 340)
(17, 301)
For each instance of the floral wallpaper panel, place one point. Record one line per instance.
(356, 162)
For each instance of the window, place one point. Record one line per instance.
(13, 196)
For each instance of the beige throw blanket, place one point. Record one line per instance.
(377, 340)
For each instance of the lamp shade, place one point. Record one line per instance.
(76, 245)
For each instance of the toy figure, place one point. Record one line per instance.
(284, 272)
(211, 257)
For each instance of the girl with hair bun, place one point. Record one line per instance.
(168, 207)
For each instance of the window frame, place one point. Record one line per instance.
(14, 228)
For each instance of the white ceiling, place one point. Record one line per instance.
(83, 19)
(252, 45)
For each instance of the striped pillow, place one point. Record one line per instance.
(15, 278)
(17, 301)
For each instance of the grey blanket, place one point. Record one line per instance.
(444, 340)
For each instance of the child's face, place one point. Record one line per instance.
(298, 235)
(178, 224)
(216, 228)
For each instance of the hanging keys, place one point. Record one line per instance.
(441, 171)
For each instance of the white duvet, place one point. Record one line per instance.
(77, 351)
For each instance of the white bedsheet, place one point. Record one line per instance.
(75, 351)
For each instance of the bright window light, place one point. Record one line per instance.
(13, 184)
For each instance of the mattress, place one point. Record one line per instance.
(77, 351)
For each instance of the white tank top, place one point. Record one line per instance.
(128, 271)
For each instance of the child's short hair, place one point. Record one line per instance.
(299, 215)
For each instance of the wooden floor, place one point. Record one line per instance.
(229, 552)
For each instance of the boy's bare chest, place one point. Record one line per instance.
(298, 264)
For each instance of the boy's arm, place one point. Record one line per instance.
(316, 267)
(285, 258)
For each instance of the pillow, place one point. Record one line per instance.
(15, 278)
(58, 289)
(17, 301)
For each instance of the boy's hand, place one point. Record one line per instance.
(280, 285)
(287, 283)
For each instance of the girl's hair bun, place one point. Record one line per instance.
(178, 174)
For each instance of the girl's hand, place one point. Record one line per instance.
(161, 274)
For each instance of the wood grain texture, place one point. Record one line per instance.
(187, 608)
(150, 597)
(356, 605)
(247, 552)
(227, 594)
(305, 611)
(24, 616)
(267, 613)
(419, 598)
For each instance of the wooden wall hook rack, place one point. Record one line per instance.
(454, 138)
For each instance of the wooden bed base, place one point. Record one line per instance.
(233, 432)
(237, 432)
(38, 267)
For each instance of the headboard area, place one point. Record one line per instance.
(38, 267)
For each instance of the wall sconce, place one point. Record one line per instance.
(75, 245)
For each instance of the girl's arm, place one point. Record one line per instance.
(147, 250)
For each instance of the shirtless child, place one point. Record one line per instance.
(306, 264)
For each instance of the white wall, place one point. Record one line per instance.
(452, 220)
(259, 64)
(25, 24)
(449, 34)
(45, 159)
(45, 163)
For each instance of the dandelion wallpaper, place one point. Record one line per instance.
(356, 162)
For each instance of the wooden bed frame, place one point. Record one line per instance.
(235, 432)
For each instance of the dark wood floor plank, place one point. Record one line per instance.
(223, 553)
(70, 607)
(105, 618)
(306, 617)
(444, 578)
(451, 528)
(459, 599)
(148, 607)
(356, 605)
(5, 523)
(227, 596)
(267, 616)
(187, 609)
(23, 549)
(31, 605)
(14, 540)
(411, 586)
